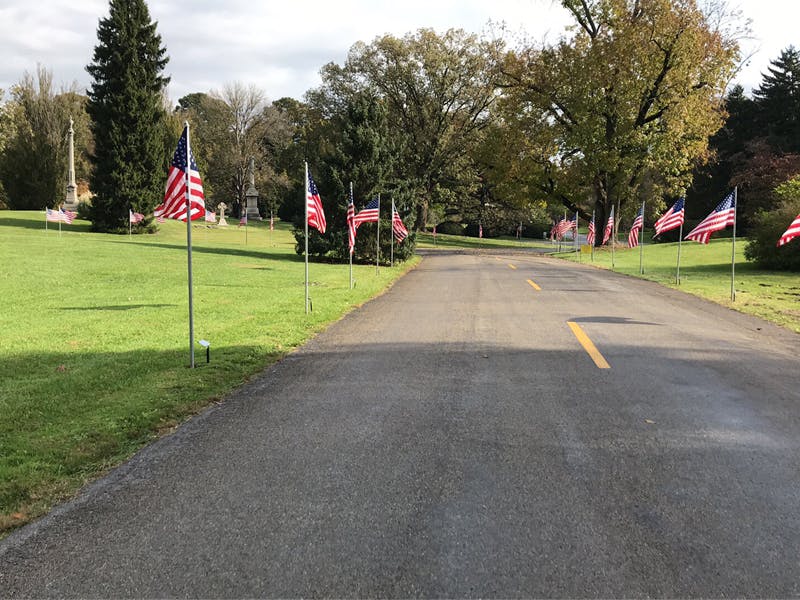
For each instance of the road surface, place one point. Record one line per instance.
(496, 425)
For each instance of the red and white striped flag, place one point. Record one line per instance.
(369, 214)
(792, 232)
(174, 205)
(609, 227)
(722, 216)
(351, 224)
(211, 217)
(243, 220)
(671, 219)
(399, 229)
(135, 217)
(633, 236)
(316, 216)
(271, 223)
(591, 233)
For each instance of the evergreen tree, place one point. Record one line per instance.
(126, 107)
(778, 99)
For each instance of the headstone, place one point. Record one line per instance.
(222, 222)
(71, 201)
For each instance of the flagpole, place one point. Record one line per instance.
(348, 239)
(680, 241)
(575, 238)
(614, 233)
(641, 244)
(189, 243)
(733, 245)
(391, 236)
(378, 238)
(306, 230)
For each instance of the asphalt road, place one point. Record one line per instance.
(453, 438)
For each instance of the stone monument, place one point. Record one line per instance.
(251, 195)
(222, 222)
(71, 201)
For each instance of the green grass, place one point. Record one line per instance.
(94, 351)
(426, 240)
(706, 272)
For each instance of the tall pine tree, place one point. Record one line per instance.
(128, 116)
(778, 100)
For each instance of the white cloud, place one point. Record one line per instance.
(280, 46)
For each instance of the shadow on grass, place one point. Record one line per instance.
(243, 252)
(117, 307)
(85, 412)
(39, 223)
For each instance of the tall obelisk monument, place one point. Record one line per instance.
(71, 201)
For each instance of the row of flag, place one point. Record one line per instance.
(723, 215)
(60, 216)
(369, 214)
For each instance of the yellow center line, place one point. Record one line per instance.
(534, 286)
(512, 266)
(587, 344)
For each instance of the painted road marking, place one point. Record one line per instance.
(534, 286)
(512, 266)
(587, 344)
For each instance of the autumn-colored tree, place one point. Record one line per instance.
(632, 96)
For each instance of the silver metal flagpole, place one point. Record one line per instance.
(614, 232)
(680, 241)
(733, 245)
(348, 239)
(189, 243)
(306, 229)
(391, 237)
(378, 238)
(575, 238)
(641, 244)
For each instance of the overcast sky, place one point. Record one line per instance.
(281, 45)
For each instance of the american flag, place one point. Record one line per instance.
(399, 229)
(609, 227)
(271, 223)
(316, 216)
(590, 235)
(369, 214)
(243, 220)
(671, 219)
(174, 205)
(792, 232)
(60, 216)
(351, 223)
(480, 227)
(722, 216)
(638, 223)
(565, 225)
(135, 217)
(211, 217)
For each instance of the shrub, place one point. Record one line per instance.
(768, 227)
(450, 228)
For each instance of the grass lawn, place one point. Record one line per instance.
(706, 272)
(426, 240)
(94, 351)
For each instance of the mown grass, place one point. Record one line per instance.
(94, 350)
(426, 240)
(706, 272)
